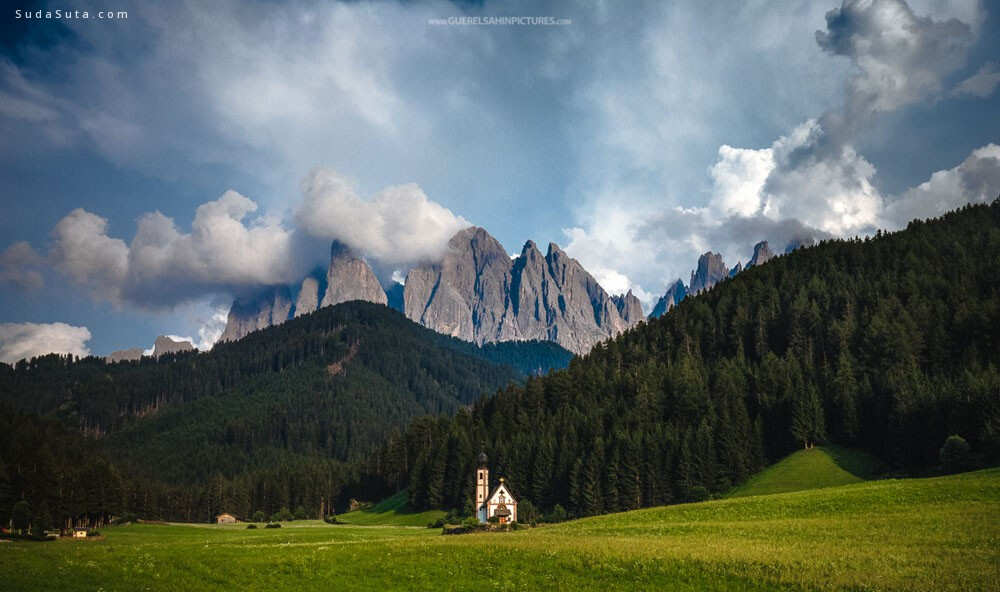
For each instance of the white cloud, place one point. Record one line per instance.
(738, 179)
(17, 267)
(163, 266)
(826, 187)
(982, 83)
(26, 340)
(399, 225)
(901, 57)
(977, 179)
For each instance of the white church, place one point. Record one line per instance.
(499, 503)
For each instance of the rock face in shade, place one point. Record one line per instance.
(711, 270)
(308, 299)
(270, 307)
(736, 270)
(125, 355)
(165, 345)
(350, 278)
(629, 308)
(762, 253)
(675, 293)
(478, 294)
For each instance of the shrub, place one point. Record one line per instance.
(20, 516)
(955, 455)
(251, 526)
(273, 525)
(558, 514)
(282, 515)
(259, 516)
(93, 533)
(300, 513)
(698, 493)
(331, 519)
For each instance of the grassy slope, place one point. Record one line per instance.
(393, 511)
(921, 534)
(826, 466)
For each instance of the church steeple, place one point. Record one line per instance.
(482, 486)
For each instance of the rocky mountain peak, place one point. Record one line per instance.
(629, 308)
(762, 253)
(165, 345)
(675, 293)
(711, 270)
(350, 278)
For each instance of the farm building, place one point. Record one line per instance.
(226, 518)
(80, 532)
(499, 503)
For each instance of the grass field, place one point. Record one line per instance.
(826, 466)
(393, 511)
(920, 534)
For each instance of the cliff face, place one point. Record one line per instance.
(349, 278)
(478, 294)
(270, 307)
(711, 270)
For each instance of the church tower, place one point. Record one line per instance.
(482, 487)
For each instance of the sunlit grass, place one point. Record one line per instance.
(926, 534)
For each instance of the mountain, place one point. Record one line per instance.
(889, 344)
(350, 278)
(269, 307)
(165, 345)
(126, 355)
(162, 346)
(762, 253)
(477, 293)
(711, 270)
(283, 407)
(675, 293)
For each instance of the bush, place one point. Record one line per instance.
(558, 514)
(282, 515)
(273, 525)
(93, 533)
(126, 519)
(698, 493)
(300, 513)
(259, 516)
(955, 455)
(331, 519)
(251, 526)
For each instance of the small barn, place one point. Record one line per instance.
(226, 518)
(80, 532)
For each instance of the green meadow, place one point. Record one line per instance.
(915, 534)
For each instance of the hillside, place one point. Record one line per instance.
(823, 466)
(887, 344)
(905, 535)
(267, 421)
(392, 511)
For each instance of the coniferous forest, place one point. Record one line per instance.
(888, 343)
(273, 420)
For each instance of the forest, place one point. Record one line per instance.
(277, 419)
(889, 344)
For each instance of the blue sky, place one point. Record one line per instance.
(156, 166)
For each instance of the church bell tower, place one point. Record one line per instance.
(482, 487)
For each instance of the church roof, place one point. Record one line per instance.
(483, 458)
(496, 489)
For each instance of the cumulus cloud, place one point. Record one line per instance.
(977, 179)
(26, 340)
(163, 266)
(982, 83)
(18, 267)
(399, 225)
(901, 57)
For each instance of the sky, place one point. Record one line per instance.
(155, 167)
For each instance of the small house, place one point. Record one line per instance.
(80, 532)
(226, 518)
